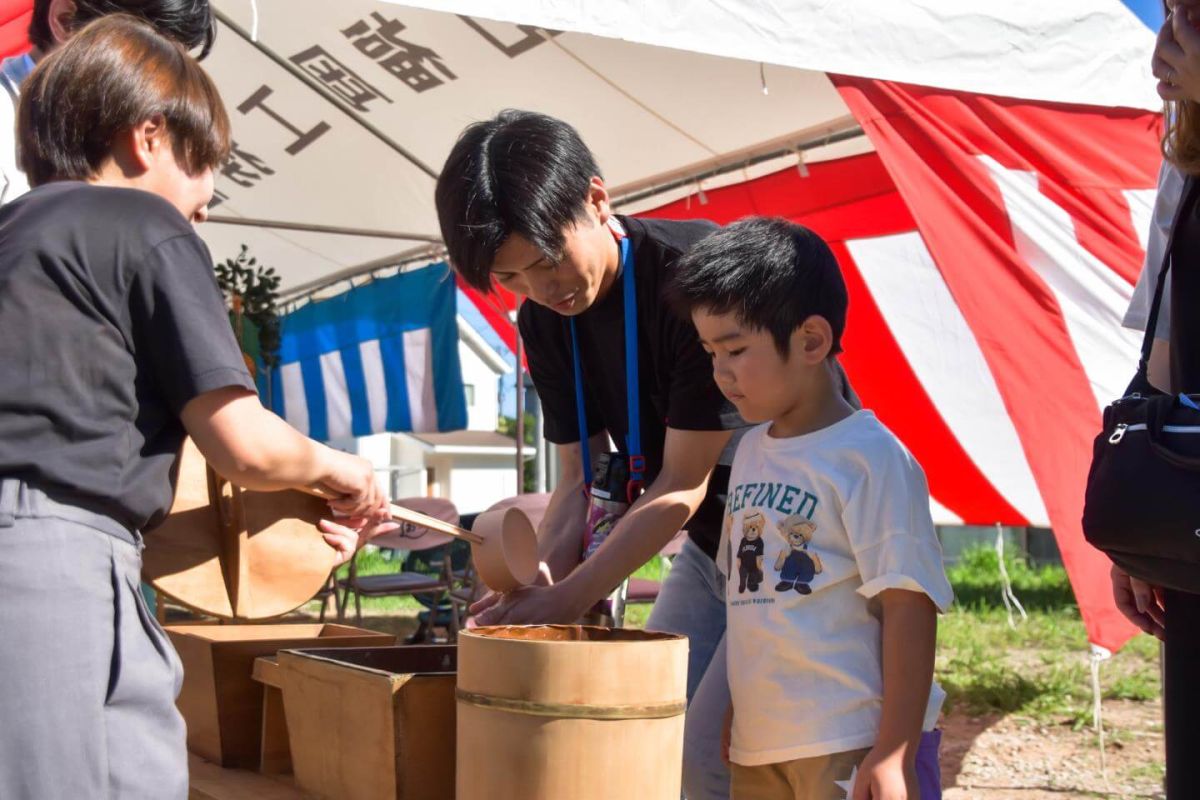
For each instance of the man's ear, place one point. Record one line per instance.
(598, 200)
(61, 17)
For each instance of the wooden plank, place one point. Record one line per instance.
(266, 671)
(276, 757)
(210, 782)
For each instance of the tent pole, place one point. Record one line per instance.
(636, 192)
(403, 258)
(311, 227)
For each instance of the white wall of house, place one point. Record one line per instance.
(474, 482)
(482, 385)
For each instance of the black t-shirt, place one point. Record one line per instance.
(110, 322)
(1185, 288)
(749, 552)
(675, 374)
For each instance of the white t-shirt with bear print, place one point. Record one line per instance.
(838, 516)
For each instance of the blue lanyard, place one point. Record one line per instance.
(637, 462)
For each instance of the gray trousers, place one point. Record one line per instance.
(692, 602)
(88, 679)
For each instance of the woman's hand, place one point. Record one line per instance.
(1140, 602)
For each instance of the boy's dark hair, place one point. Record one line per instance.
(520, 172)
(189, 22)
(111, 76)
(770, 273)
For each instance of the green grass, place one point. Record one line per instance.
(1039, 669)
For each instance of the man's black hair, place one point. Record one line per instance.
(189, 22)
(770, 273)
(519, 173)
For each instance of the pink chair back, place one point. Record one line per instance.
(412, 537)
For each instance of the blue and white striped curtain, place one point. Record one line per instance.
(380, 357)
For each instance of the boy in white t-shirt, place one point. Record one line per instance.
(831, 640)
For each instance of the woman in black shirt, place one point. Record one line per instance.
(1174, 366)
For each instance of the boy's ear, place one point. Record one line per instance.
(813, 340)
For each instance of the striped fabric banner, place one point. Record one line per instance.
(380, 357)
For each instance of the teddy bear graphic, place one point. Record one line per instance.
(750, 552)
(796, 565)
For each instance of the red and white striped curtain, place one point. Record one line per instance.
(990, 247)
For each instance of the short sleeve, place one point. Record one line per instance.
(694, 403)
(1166, 201)
(553, 373)
(181, 329)
(890, 529)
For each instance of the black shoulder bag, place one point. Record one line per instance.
(1142, 506)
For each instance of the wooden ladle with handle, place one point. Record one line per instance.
(503, 542)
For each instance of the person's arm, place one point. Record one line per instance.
(688, 461)
(669, 502)
(255, 449)
(560, 536)
(909, 637)
(1158, 368)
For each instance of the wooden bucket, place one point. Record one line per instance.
(556, 711)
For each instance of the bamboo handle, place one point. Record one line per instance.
(414, 517)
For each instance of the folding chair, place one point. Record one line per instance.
(643, 590)
(435, 583)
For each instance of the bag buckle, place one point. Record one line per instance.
(1118, 434)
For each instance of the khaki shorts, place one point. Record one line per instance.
(813, 778)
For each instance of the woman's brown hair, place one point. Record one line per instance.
(116, 73)
(1181, 135)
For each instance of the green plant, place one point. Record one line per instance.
(252, 291)
(508, 426)
(977, 583)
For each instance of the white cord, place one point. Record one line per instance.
(1099, 656)
(254, 20)
(1006, 592)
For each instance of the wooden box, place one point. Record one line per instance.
(372, 724)
(220, 701)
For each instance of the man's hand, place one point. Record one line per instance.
(530, 605)
(1140, 602)
(885, 776)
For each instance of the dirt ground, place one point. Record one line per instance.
(1010, 758)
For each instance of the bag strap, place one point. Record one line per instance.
(1189, 188)
(637, 461)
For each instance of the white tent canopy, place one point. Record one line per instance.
(342, 121)
(990, 246)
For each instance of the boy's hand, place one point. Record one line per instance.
(885, 776)
(726, 735)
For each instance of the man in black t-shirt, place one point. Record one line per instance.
(521, 202)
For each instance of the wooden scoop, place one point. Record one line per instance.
(503, 543)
